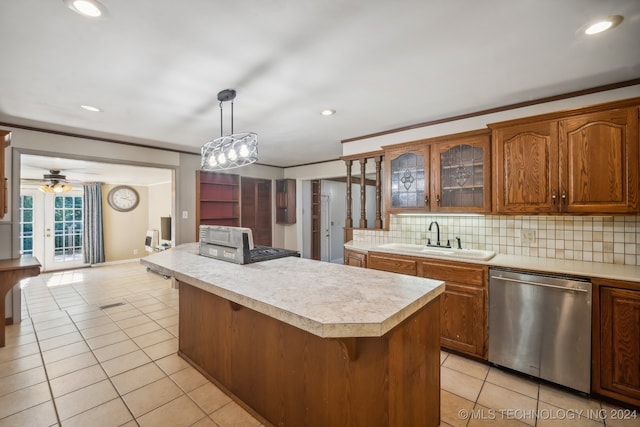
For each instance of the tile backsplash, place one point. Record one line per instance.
(613, 240)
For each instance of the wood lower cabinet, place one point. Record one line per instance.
(355, 258)
(616, 343)
(463, 306)
(583, 162)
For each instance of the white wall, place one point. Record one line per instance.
(160, 204)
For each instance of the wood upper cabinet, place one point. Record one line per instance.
(525, 168)
(599, 162)
(407, 179)
(460, 174)
(617, 341)
(585, 163)
(285, 201)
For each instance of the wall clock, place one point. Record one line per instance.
(123, 198)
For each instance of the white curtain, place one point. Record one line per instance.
(93, 237)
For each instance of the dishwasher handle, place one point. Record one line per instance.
(543, 285)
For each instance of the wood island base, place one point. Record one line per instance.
(290, 377)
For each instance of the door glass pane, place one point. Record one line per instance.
(68, 228)
(407, 181)
(26, 225)
(462, 176)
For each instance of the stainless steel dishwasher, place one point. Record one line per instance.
(541, 325)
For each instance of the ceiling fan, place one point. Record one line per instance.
(53, 182)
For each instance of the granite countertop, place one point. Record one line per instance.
(630, 273)
(327, 300)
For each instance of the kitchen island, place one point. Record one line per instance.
(301, 342)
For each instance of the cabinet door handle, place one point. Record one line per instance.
(426, 200)
(553, 198)
(438, 199)
(564, 197)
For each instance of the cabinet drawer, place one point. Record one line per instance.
(393, 264)
(454, 272)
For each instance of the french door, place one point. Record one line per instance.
(52, 228)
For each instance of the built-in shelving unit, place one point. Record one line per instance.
(315, 218)
(218, 199)
(285, 201)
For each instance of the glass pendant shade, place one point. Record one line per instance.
(229, 151)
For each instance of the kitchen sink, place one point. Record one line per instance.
(422, 250)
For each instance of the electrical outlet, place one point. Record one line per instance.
(185, 214)
(528, 236)
(135, 252)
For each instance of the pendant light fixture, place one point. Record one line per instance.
(229, 151)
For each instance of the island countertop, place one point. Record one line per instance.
(324, 299)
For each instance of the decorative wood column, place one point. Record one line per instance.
(378, 223)
(363, 193)
(348, 222)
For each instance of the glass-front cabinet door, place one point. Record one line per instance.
(461, 175)
(407, 179)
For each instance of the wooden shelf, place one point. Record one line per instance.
(285, 201)
(217, 199)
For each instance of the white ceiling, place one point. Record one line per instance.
(156, 66)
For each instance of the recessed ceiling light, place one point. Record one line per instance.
(89, 8)
(603, 25)
(91, 108)
(328, 112)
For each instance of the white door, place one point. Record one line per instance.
(56, 222)
(325, 236)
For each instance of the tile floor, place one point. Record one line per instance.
(71, 363)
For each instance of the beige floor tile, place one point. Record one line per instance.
(177, 413)
(151, 396)
(189, 379)
(143, 329)
(616, 416)
(108, 339)
(52, 323)
(162, 314)
(174, 330)
(14, 366)
(152, 338)
(94, 322)
(205, 422)
(40, 415)
(71, 364)
(513, 382)
(551, 416)
(60, 341)
(157, 306)
(233, 415)
(115, 350)
(99, 330)
(126, 362)
(453, 408)
(55, 332)
(461, 384)
(443, 356)
(126, 314)
(160, 350)
(76, 402)
(111, 413)
(24, 398)
(496, 397)
(568, 400)
(138, 377)
(77, 380)
(467, 366)
(11, 353)
(172, 364)
(165, 322)
(209, 397)
(19, 339)
(23, 379)
(64, 352)
(483, 416)
(133, 321)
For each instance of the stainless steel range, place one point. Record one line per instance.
(235, 244)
